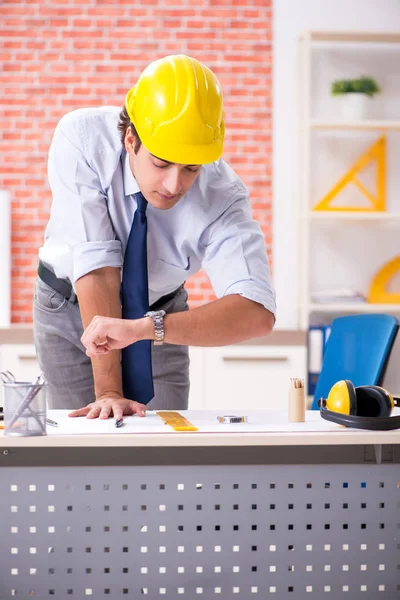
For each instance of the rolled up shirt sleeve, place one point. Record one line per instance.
(79, 216)
(235, 257)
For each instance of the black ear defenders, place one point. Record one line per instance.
(363, 407)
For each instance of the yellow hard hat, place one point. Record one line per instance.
(177, 109)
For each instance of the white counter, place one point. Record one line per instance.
(264, 428)
(243, 511)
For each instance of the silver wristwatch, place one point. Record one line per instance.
(158, 320)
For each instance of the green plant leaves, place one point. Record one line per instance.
(363, 85)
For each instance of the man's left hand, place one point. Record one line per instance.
(110, 404)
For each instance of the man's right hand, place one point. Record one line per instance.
(105, 333)
(110, 405)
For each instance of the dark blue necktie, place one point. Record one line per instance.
(137, 375)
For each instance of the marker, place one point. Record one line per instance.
(119, 422)
(51, 422)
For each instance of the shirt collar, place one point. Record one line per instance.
(130, 184)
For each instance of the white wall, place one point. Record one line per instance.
(291, 18)
(5, 259)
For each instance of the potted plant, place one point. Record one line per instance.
(356, 95)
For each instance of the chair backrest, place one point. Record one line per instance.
(358, 349)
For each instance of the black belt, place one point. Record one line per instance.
(64, 287)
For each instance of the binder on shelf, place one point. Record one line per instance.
(317, 337)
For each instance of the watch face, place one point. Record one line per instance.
(155, 313)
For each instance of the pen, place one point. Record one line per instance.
(51, 422)
(119, 422)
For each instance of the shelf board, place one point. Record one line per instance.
(337, 215)
(362, 125)
(360, 307)
(353, 36)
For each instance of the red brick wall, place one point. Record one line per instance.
(59, 55)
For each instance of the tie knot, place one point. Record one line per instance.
(141, 202)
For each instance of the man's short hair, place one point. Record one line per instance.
(124, 123)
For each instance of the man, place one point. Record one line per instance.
(164, 147)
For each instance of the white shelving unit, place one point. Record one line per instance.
(366, 125)
(339, 249)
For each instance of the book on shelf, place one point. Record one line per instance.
(341, 295)
(316, 341)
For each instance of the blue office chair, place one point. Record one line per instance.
(358, 348)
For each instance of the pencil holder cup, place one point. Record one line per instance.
(296, 408)
(24, 408)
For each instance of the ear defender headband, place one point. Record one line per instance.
(363, 407)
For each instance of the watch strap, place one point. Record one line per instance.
(158, 319)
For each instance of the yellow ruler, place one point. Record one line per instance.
(379, 291)
(176, 421)
(375, 155)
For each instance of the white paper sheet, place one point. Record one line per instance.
(206, 421)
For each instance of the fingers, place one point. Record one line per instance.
(94, 337)
(127, 407)
(98, 350)
(98, 410)
(80, 412)
(118, 410)
(92, 411)
(116, 407)
(94, 348)
(137, 408)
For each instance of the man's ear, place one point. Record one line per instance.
(130, 141)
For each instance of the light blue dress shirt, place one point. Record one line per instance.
(211, 227)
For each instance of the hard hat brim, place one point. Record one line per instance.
(184, 154)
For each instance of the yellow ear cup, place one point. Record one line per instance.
(388, 399)
(342, 398)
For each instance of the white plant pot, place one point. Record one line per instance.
(355, 107)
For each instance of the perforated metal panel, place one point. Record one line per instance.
(286, 532)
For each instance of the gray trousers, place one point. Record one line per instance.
(57, 327)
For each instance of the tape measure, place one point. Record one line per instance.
(231, 419)
(176, 421)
